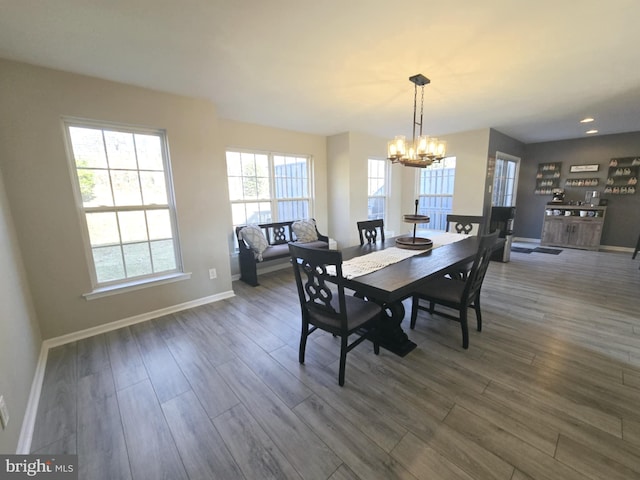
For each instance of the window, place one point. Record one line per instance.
(124, 190)
(377, 188)
(267, 187)
(435, 192)
(505, 181)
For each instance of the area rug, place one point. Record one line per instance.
(552, 251)
(521, 250)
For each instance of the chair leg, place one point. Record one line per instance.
(465, 327)
(476, 306)
(343, 359)
(414, 311)
(303, 341)
(376, 337)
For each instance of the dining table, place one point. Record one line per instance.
(391, 284)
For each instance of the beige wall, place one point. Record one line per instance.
(471, 150)
(19, 336)
(38, 184)
(348, 155)
(363, 147)
(339, 188)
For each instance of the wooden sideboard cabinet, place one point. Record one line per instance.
(562, 229)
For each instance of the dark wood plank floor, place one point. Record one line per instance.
(550, 389)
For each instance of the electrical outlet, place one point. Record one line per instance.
(212, 273)
(4, 413)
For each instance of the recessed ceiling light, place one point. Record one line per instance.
(587, 120)
(591, 132)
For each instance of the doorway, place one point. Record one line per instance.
(505, 180)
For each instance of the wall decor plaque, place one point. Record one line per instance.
(584, 168)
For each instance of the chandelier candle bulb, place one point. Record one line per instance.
(392, 151)
(396, 148)
(433, 142)
(422, 145)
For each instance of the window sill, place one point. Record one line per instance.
(136, 285)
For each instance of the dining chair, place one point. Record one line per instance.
(465, 223)
(369, 229)
(325, 306)
(455, 293)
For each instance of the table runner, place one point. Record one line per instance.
(373, 261)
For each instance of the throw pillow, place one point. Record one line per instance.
(254, 236)
(305, 231)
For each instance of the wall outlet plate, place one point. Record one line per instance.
(4, 413)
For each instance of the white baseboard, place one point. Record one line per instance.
(29, 420)
(107, 327)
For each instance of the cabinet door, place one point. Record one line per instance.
(555, 231)
(586, 233)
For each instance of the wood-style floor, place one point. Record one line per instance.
(550, 389)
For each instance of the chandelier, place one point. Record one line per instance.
(423, 150)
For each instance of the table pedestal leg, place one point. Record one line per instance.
(392, 337)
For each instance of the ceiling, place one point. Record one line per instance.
(531, 70)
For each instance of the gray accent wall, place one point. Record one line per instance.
(622, 222)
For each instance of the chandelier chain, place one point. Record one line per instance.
(421, 108)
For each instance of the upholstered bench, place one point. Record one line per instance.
(270, 241)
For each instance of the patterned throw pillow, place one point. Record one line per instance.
(254, 236)
(305, 231)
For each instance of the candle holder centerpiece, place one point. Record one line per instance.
(413, 242)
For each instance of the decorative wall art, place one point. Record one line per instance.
(581, 182)
(547, 178)
(623, 176)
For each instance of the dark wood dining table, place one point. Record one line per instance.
(392, 284)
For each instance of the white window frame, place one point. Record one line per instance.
(272, 199)
(434, 223)
(387, 182)
(106, 288)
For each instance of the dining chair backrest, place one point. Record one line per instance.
(465, 223)
(318, 273)
(479, 268)
(369, 230)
